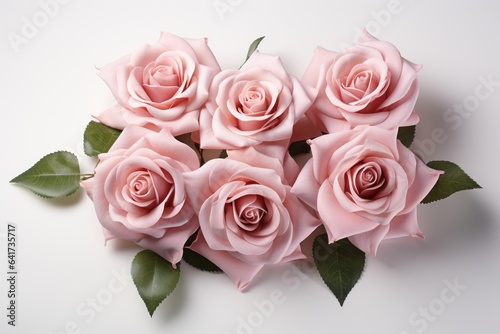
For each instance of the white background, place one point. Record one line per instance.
(49, 89)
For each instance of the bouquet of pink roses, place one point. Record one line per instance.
(200, 164)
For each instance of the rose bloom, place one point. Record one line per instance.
(369, 83)
(257, 105)
(365, 185)
(286, 167)
(248, 217)
(162, 85)
(139, 193)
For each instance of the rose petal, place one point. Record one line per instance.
(369, 241)
(339, 223)
(405, 225)
(241, 273)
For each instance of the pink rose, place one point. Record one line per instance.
(162, 85)
(139, 193)
(365, 185)
(257, 105)
(369, 83)
(287, 168)
(248, 217)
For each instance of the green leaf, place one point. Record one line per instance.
(55, 175)
(454, 179)
(98, 138)
(340, 265)
(299, 147)
(252, 48)
(406, 134)
(154, 277)
(199, 261)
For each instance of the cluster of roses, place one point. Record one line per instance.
(256, 206)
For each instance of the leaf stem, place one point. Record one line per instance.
(86, 176)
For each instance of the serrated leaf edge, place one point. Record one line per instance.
(414, 127)
(440, 199)
(341, 302)
(83, 137)
(85, 132)
(151, 312)
(202, 269)
(14, 181)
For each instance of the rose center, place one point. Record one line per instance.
(252, 96)
(146, 189)
(255, 109)
(164, 70)
(365, 180)
(359, 82)
(368, 176)
(253, 100)
(250, 212)
(253, 215)
(164, 75)
(139, 185)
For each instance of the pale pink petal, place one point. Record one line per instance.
(338, 222)
(167, 145)
(304, 129)
(107, 235)
(197, 185)
(267, 62)
(186, 123)
(240, 272)
(424, 181)
(108, 73)
(404, 225)
(136, 154)
(301, 100)
(412, 119)
(378, 118)
(292, 169)
(337, 108)
(113, 117)
(171, 244)
(321, 60)
(145, 55)
(306, 187)
(129, 136)
(88, 186)
(297, 254)
(196, 48)
(369, 241)
(255, 158)
(304, 222)
(406, 86)
(204, 53)
(323, 148)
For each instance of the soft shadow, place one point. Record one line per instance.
(173, 305)
(462, 225)
(430, 106)
(431, 109)
(121, 245)
(64, 201)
